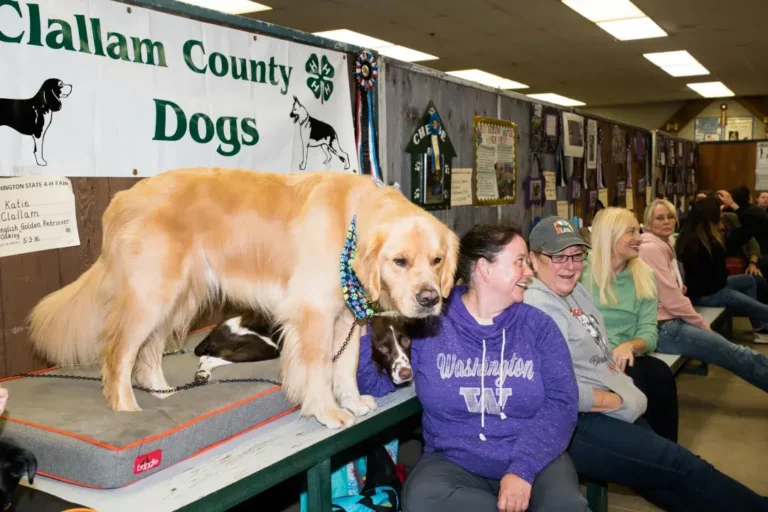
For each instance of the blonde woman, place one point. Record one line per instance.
(681, 329)
(624, 290)
(611, 442)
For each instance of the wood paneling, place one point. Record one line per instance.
(726, 165)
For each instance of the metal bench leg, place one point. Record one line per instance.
(319, 487)
(597, 497)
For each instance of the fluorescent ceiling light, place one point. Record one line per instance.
(605, 10)
(405, 54)
(230, 6)
(633, 28)
(679, 63)
(383, 47)
(481, 77)
(712, 89)
(354, 38)
(557, 99)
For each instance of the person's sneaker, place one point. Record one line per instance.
(761, 338)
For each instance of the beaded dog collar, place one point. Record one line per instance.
(354, 293)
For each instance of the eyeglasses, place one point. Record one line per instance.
(563, 258)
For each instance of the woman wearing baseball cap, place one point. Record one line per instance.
(612, 443)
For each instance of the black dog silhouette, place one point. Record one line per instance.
(33, 116)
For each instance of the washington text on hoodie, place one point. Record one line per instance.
(490, 422)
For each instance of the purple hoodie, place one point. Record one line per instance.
(527, 417)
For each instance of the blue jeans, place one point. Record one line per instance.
(737, 302)
(679, 337)
(666, 474)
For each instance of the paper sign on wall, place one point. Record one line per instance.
(550, 192)
(648, 195)
(602, 196)
(36, 214)
(461, 187)
(562, 209)
(630, 198)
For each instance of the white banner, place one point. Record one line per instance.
(36, 214)
(100, 88)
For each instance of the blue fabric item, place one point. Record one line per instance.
(349, 479)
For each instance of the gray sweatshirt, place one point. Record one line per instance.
(583, 328)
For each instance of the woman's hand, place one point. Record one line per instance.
(3, 399)
(753, 270)
(624, 354)
(514, 494)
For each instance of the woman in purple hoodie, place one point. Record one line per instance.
(496, 382)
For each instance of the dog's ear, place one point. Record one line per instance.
(450, 263)
(50, 99)
(366, 264)
(28, 462)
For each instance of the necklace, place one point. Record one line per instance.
(355, 295)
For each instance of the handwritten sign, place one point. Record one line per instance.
(648, 195)
(630, 197)
(36, 214)
(550, 193)
(562, 209)
(461, 187)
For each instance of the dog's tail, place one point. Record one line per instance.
(65, 325)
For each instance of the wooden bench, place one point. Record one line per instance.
(245, 466)
(720, 320)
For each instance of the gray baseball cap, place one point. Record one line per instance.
(554, 234)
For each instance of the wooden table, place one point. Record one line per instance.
(247, 465)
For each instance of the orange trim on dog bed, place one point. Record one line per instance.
(199, 452)
(146, 439)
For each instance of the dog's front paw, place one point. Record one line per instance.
(335, 417)
(302, 167)
(359, 405)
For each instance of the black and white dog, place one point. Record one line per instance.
(252, 337)
(316, 133)
(33, 116)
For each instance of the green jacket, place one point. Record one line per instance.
(630, 317)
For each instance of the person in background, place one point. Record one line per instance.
(496, 383)
(624, 290)
(762, 199)
(682, 330)
(752, 217)
(612, 443)
(701, 248)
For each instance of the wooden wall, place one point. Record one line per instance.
(726, 165)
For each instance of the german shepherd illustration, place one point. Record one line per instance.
(315, 133)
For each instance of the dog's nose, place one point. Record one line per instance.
(427, 297)
(405, 374)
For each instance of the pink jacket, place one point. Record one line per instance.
(658, 254)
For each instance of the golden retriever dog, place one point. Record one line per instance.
(185, 239)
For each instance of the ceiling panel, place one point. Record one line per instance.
(550, 47)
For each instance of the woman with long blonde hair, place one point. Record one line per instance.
(681, 329)
(624, 291)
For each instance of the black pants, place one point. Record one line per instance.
(654, 378)
(438, 485)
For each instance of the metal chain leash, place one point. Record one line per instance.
(191, 385)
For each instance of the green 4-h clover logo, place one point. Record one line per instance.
(320, 80)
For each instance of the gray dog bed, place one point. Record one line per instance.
(77, 439)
